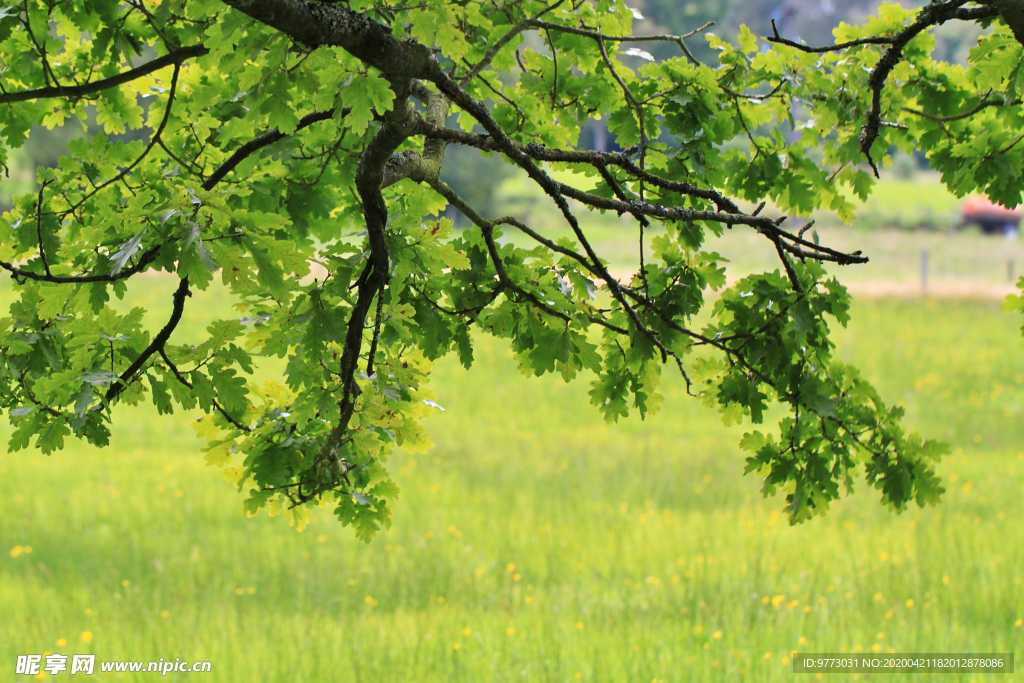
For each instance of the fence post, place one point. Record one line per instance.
(924, 272)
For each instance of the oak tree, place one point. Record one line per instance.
(280, 136)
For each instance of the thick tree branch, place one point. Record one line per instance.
(766, 346)
(315, 24)
(371, 172)
(379, 166)
(1012, 12)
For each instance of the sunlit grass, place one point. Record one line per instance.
(536, 542)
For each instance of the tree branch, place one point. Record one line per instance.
(160, 340)
(597, 35)
(504, 40)
(1012, 12)
(370, 176)
(178, 307)
(593, 158)
(152, 143)
(985, 104)
(804, 47)
(315, 24)
(39, 227)
(147, 258)
(933, 14)
(162, 350)
(76, 91)
(259, 143)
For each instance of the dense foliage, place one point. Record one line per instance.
(284, 134)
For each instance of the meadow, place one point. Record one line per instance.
(537, 543)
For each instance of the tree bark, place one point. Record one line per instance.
(315, 24)
(1012, 12)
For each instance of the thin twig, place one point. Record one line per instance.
(76, 91)
(162, 350)
(177, 308)
(147, 258)
(39, 226)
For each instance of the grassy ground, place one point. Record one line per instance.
(536, 543)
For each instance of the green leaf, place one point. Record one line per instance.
(365, 95)
(127, 250)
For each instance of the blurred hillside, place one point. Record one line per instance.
(809, 20)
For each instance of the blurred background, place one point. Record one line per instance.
(537, 543)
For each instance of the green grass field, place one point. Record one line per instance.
(535, 542)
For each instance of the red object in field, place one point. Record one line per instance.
(980, 208)
(990, 217)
